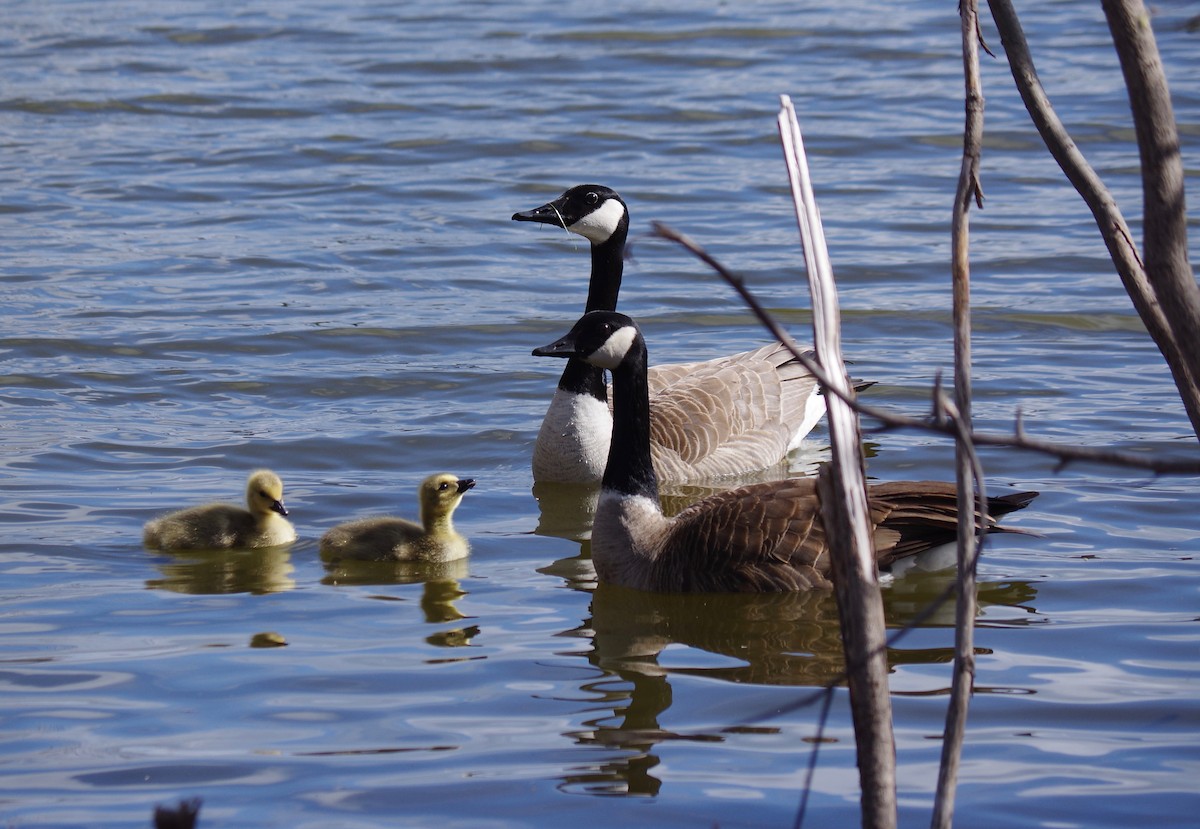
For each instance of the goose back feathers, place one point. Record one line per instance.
(710, 419)
(225, 526)
(397, 539)
(758, 538)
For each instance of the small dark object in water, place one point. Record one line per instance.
(182, 816)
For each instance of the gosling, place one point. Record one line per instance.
(225, 526)
(396, 539)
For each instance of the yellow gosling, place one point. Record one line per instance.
(225, 526)
(397, 539)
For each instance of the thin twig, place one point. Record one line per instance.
(968, 469)
(812, 758)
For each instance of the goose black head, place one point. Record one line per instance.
(593, 211)
(602, 338)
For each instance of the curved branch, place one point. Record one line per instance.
(1167, 299)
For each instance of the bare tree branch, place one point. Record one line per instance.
(1164, 292)
(968, 469)
(844, 510)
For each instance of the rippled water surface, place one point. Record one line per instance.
(279, 236)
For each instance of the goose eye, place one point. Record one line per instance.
(443, 486)
(592, 198)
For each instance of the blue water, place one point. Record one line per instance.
(279, 236)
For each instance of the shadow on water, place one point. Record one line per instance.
(785, 639)
(208, 572)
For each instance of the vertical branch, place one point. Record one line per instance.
(1174, 338)
(969, 190)
(1164, 245)
(844, 512)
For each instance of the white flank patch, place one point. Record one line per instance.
(599, 225)
(615, 348)
(814, 410)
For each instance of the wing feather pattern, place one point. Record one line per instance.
(769, 537)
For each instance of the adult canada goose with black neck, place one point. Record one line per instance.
(225, 526)
(759, 538)
(398, 539)
(708, 419)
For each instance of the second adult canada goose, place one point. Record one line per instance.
(708, 419)
(397, 539)
(759, 538)
(224, 526)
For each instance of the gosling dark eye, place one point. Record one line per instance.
(592, 198)
(443, 486)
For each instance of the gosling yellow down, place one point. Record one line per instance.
(225, 526)
(397, 539)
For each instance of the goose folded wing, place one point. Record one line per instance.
(759, 538)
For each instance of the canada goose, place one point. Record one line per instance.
(224, 526)
(708, 419)
(397, 539)
(759, 538)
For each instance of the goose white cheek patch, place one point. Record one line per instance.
(599, 225)
(614, 349)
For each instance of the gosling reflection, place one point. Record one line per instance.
(209, 572)
(441, 589)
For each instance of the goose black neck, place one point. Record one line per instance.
(608, 265)
(630, 470)
(580, 377)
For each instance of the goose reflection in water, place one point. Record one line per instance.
(213, 572)
(772, 639)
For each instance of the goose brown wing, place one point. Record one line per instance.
(912, 516)
(759, 538)
(722, 407)
(769, 537)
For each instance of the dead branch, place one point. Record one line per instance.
(1164, 291)
(844, 510)
(968, 469)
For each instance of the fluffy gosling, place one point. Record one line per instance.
(397, 539)
(225, 526)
